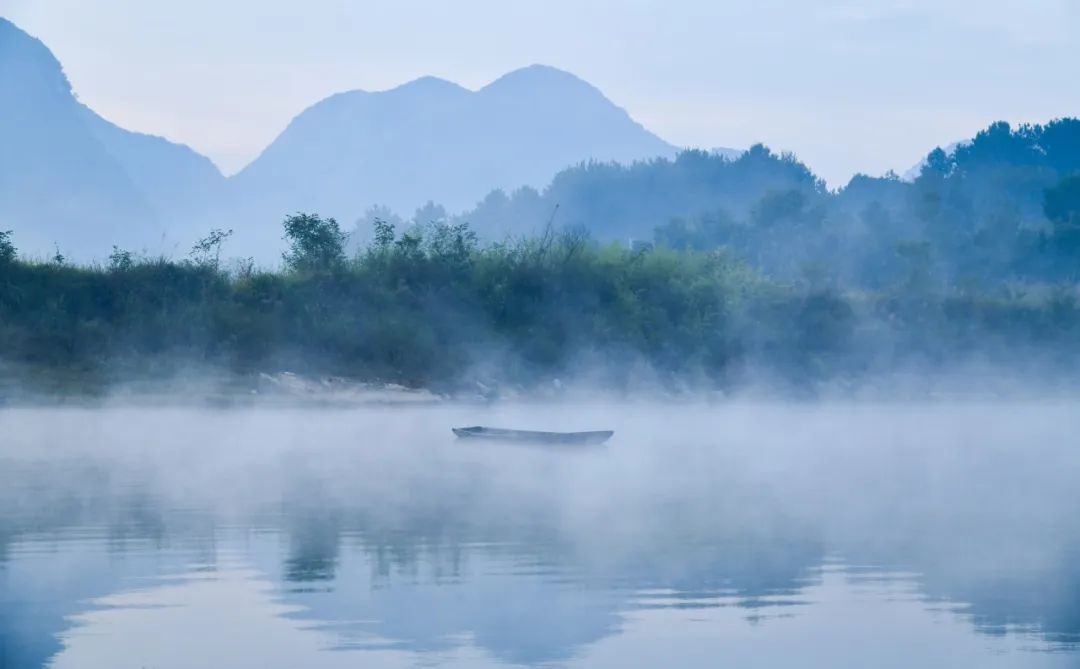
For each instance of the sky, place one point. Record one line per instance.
(847, 86)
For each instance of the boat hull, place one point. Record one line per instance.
(531, 437)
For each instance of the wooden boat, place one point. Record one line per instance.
(530, 437)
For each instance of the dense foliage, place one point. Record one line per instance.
(433, 307)
(701, 271)
(999, 208)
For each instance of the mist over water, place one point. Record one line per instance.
(753, 534)
(844, 414)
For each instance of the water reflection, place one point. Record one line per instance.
(407, 545)
(314, 546)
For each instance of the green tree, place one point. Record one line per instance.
(120, 260)
(450, 243)
(384, 233)
(207, 251)
(778, 207)
(316, 244)
(430, 213)
(1061, 205)
(8, 253)
(362, 230)
(703, 233)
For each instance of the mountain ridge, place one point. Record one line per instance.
(73, 177)
(73, 181)
(437, 118)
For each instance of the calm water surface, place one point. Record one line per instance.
(887, 535)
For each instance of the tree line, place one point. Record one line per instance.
(433, 306)
(999, 209)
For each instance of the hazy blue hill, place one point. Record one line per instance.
(561, 120)
(434, 140)
(351, 150)
(174, 178)
(58, 183)
(1001, 205)
(71, 178)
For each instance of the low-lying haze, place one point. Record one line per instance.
(704, 532)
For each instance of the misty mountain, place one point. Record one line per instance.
(434, 140)
(174, 178)
(70, 178)
(58, 182)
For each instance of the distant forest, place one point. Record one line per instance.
(1001, 207)
(702, 272)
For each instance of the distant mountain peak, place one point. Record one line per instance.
(538, 72)
(26, 60)
(430, 90)
(9, 32)
(426, 139)
(68, 176)
(431, 139)
(16, 42)
(539, 78)
(429, 84)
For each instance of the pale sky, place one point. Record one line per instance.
(847, 86)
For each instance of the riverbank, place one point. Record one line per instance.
(434, 312)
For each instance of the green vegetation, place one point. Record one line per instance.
(432, 307)
(699, 272)
(1000, 208)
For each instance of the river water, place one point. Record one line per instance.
(703, 535)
